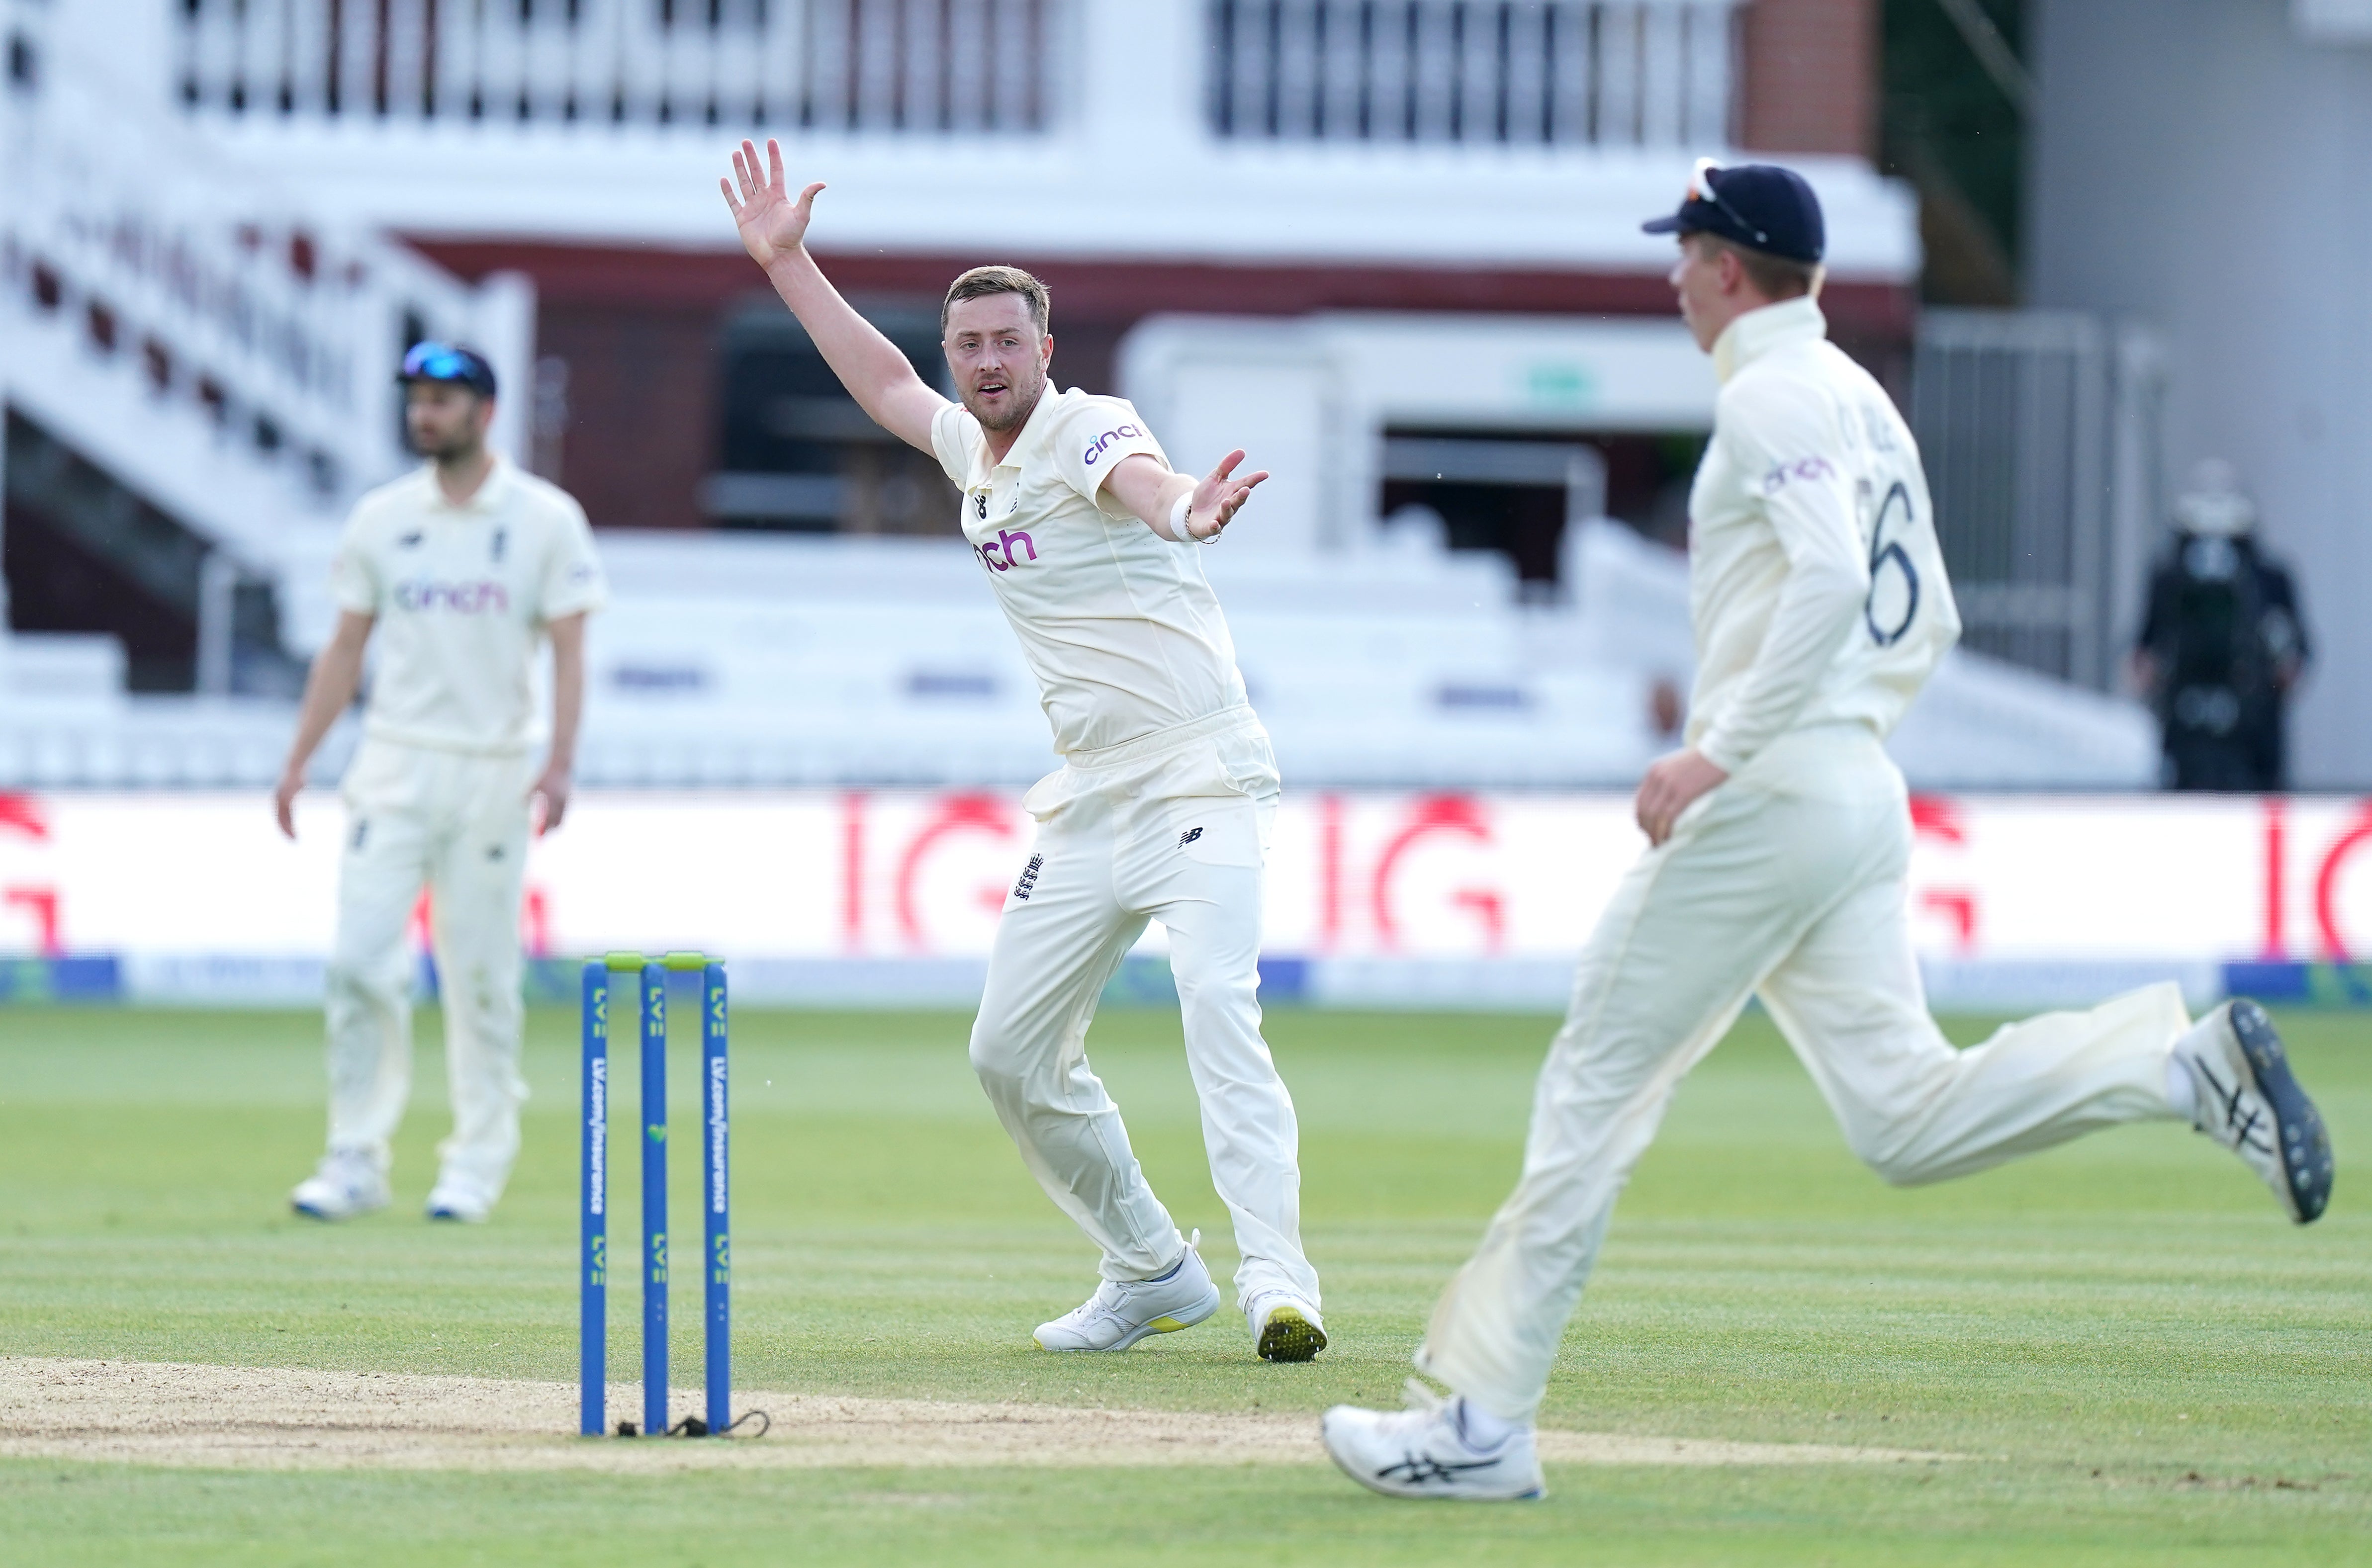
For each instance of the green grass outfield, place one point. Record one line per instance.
(2154, 1366)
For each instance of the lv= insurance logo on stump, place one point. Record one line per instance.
(593, 1277)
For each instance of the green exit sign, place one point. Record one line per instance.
(1559, 383)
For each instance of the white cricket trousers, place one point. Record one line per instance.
(1786, 882)
(1173, 828)
(455, 823)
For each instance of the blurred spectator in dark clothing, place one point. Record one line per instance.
(2222, 643)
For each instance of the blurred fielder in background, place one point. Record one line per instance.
(1160, 810)
(462, 568)
(1779, 838)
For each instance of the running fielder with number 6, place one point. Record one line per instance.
(1779, 838)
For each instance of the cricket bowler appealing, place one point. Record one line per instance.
(461, 569)
(1779, 841)
(1161, 809)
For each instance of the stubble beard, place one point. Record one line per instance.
(1020, 405)
(454, 452)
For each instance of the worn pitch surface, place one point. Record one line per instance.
(289, 1418)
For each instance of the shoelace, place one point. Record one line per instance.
(2230, 1102)
(1106, 1298)
(1105, 1302)
(1414, 1465)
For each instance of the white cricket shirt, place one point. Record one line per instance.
(1119, 624)
(461, 596)
(1816, 586)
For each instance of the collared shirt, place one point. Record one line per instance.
(461, 596)
(1815, 586)
(1119, 624)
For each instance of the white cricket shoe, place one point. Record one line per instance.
(1426, 1451)
(346, 1183)
(459, 1199)
(2246, 1099)
(1285, 1327)
(1124, 1311)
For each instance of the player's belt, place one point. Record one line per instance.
(1162, 741)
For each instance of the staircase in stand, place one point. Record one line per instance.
(178, 322)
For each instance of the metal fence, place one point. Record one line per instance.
(877, 65)
(1537, 73)
(2039, 434)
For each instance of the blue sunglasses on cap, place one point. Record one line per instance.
(434, 361)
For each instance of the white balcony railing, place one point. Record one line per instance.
(916, 66)
(1614, 73)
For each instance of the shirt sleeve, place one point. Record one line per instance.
(1791, 453)
(353, 579)
(1092, 439)
(954, 434)
(572, 581)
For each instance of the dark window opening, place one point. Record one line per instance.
(796, 454)
(1514, 492)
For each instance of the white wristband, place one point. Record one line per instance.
(1178, 519)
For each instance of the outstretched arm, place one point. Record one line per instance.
(1152, 492)
(773, 230)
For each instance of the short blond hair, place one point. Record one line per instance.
(981, 282)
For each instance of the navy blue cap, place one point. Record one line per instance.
(434, 361)
(1759, 205)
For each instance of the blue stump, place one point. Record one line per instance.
(714, 1198)
(593, 1280)
(654, 1220)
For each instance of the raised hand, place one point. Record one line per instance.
(1218, 497)
(772, 224)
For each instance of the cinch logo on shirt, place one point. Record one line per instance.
(1104, 441)
(998, 553)
(462, 598)
(1805, 468)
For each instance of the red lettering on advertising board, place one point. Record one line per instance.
(535, 923)
(42, 903)
(1329, 872)
(956, 814)
(1935, 817)
(2326, 884)
(22, 814)
(2277, 945)
(1432, 815)
(852, 870)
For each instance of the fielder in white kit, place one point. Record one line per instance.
(1161, 809)
(461, 570)
(1779, 841)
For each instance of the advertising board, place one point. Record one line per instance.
(1377, 896)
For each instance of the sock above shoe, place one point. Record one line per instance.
(1482, 1430)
